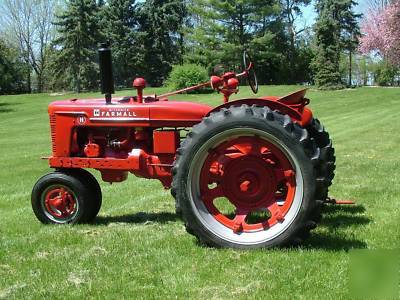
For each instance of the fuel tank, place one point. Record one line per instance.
(127, 112)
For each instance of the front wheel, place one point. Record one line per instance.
(95, 201)
(245, 178)
(61, 198)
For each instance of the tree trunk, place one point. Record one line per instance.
(78, 85)
(40, 83)
(29, 82)
(350, 69)
(77, 82)
(182, 47)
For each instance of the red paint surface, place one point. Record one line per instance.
(253, 174)
(139, 146)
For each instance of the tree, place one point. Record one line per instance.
(291, 10)
(269, 47)
(159, 25)
(242, 21)
(12, 70)
(381, 33)
(326, 60)
(121, 28)
(350, 33)
(379, 4)
(221, 30)
(335, 21)
(385, 74)
(29, 23)
(79, 35)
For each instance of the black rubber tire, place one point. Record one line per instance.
(73, 183)
(325, 170)
(326, 165)
(178, 208)
(296, 139)
(90, 181)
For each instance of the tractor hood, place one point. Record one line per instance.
(125, 110)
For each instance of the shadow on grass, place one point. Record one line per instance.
(350, 209)
(334, 222)
(335, 218)
(5, 107)
(332, 242)
(318, 241)
(137, 218)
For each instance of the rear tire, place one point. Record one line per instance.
(325, 168)
(288, 147)
(326, 165)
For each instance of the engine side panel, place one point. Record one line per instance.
(69, 117)
(123, 137)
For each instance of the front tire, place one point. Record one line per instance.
(90, 182)
(61, 198)
(262, 164)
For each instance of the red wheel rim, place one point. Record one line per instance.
(60, 203)
(254, 175)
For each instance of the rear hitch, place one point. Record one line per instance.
(333, 201)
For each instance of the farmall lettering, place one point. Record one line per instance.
(114, 113)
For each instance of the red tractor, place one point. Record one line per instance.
(249, 173)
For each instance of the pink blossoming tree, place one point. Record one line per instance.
(381, 33)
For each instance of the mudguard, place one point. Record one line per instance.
(293, 105)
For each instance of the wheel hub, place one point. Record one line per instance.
(248, 182)
(60, 203)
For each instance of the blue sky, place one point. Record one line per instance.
(309, 13)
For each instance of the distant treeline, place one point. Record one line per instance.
(50, 46)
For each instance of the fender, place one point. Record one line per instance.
(298, 113)
(295, 98)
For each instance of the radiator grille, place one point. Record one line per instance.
(53, 133)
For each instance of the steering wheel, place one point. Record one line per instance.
(251, 73)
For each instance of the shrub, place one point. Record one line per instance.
(186, 75)
(385, 75)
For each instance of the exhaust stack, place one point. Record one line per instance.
(106, 73)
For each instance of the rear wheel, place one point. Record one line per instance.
(244, 178)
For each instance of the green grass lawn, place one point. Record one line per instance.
(138, 248)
